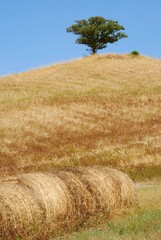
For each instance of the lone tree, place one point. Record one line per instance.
(96, 32)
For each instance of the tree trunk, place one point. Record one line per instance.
(93, 50)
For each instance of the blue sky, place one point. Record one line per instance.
(33, 32)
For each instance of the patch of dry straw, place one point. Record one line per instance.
(30, 201)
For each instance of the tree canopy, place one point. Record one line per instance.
(96, 32)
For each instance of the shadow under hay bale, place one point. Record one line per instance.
(62, 198)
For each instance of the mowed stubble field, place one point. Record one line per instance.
(98, 110)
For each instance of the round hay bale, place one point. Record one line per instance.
(103, 187)
(128, 192)
(51, 193)
(61, 199)
(84, 203)
(18, 207)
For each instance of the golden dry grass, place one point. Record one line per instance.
(31, 202)
(102, 109)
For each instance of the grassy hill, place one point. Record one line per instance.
(102, 109)
(98, 110)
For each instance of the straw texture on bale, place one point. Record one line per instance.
(82, 199)
(128, 194)
(105, 190)
(18, 207)
(50, 192)
(69, 196)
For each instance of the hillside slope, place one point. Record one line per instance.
(103, 109)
